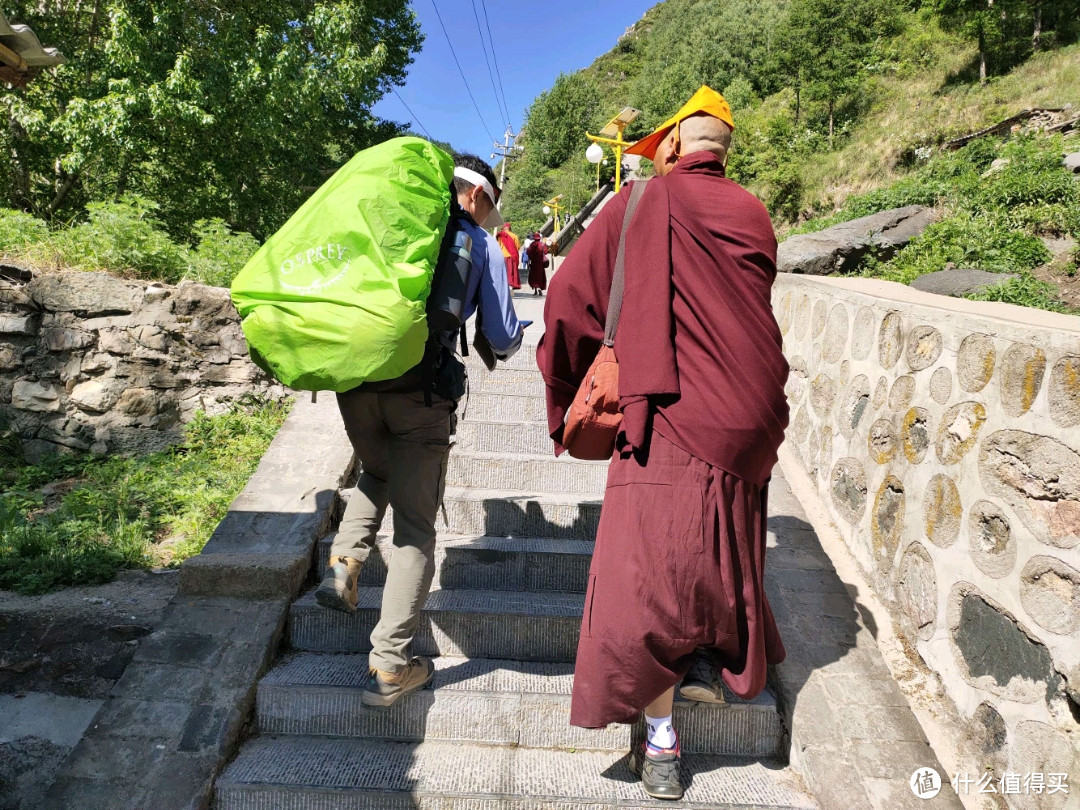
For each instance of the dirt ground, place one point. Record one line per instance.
(1062, 271)
(74, 643)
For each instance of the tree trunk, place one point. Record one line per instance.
(982, 57)
(1036, 35)
(19, 164)
(830, 123)
(61, 195)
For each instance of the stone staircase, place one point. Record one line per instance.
(502, 619)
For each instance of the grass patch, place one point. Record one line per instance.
(1025, 291)
(78, 519)
(127, 238)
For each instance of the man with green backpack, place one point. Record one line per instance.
(401, 431)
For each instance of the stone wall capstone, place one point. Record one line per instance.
(96, 363)
(956, 486)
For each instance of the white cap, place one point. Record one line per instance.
(495, 219)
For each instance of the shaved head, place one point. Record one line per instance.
(703, 133)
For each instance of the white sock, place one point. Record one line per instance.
(661, 732)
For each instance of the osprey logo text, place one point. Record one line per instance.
(310, 265)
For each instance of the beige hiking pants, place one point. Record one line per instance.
(403, 446)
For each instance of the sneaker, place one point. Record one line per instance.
(703, 683)
(338, 588)
(659, 771)
(384, 688)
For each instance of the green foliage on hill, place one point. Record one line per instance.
(128, 238)
(830, 98)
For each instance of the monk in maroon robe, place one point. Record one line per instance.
(511, 249)
(677, 569)
(538, 262)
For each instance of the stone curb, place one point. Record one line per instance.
(853, 737)
(180, 709)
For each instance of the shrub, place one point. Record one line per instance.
(220, 253)
(18, 231)
(1025, 291)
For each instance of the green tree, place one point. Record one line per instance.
(235, 110)
(556, 122)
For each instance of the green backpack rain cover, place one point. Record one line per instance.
(336, 297)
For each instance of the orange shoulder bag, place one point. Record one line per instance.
(593, 421)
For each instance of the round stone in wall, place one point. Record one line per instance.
(862, 338)
(1039, 479)
(1050, 593)
(915, 434)
(923, 347)
(845, 373)
(975, 362)
(822, 394)
(817, 322)
(941, 385)
(1044, 748)
(1065, 391)
(882, 441)
(1022, 370)
(990, 540)
(959, 431)
(903, 390)
(847, 484)
(784, 321)
(856, 403)
(802, 316)
(942, 511)
(836, 333)
(796, 383)
(813, 452)
(826, 447)
(890, 340)
(917, 591)
(800, 425)
(887, 520)
(881, 391)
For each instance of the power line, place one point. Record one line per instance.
(414, 118)
(462, 72)
(487, 22)
(491, 75)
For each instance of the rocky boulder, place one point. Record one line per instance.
(1072, 162)
(959, 282)
(842, 247)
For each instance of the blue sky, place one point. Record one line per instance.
(534, 42)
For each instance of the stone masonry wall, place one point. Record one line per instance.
(944, 437)
(93, 362)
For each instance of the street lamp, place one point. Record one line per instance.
(595, 154)
(552, 207)
(612, 135)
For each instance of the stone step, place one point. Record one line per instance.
(523, 625)
(313, 773)
(482, 406)
(495, 436)
(489, 701)
(526, 472)
(508, 513)
(524, 358)
(490, 563)
(511, 381)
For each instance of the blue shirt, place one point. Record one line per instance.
(490, 290)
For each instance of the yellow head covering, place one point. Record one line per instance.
(706, 100)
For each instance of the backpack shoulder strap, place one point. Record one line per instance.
(618, 281)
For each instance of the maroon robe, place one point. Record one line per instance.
(512, 258)
(537, 260)
(679, 556)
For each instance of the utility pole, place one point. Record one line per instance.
(508, 151)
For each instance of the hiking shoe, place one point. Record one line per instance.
(703, 683)
(384, 688)
(659, 771)
(338, 588)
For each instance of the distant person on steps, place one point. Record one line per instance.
(538, 264)
(676, 587)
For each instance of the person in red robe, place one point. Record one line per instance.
(538, 263)
(676, 583)
(511, 249)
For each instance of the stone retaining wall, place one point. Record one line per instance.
(92, 362)
(944, 437)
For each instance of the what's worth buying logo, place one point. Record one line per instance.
(315, 269)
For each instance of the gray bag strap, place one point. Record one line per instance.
(618, 281)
